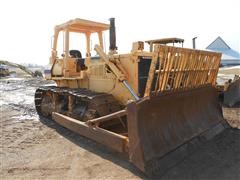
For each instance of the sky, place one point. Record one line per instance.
(27, 25)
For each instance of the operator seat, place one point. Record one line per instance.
(80, 61)
(75, 54)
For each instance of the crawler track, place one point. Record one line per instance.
(81, 104)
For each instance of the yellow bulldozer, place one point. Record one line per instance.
(153, 105)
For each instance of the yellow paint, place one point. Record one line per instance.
(106, 73)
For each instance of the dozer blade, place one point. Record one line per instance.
(232, 94)
(164, 129)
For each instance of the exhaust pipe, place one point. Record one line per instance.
(194, 42)
(112, 34)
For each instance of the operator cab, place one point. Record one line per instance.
(72, 61)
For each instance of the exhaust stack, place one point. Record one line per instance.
(112, 34)
(194, 42)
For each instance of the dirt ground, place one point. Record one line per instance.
(33, 148)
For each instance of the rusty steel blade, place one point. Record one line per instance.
(163, 128)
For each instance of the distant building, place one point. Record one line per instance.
(229, 56)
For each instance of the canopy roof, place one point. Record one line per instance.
(83, 26)
(165, 41)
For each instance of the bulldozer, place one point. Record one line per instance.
(153, 105)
